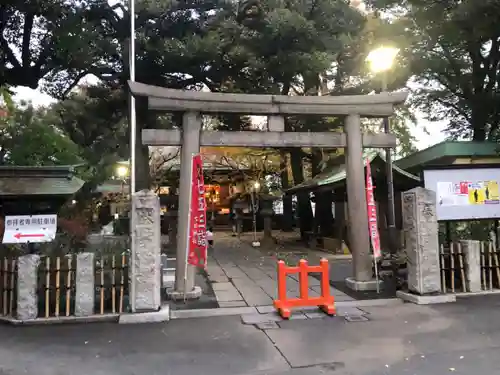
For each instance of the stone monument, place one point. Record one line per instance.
(145, 261)
(422, 247)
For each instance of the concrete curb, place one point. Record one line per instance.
(474, 294)
(370, 302)
(147, 317)
(206, 313)
(231, 311)
(108, 318)
(426, 300)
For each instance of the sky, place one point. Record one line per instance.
(435, 129)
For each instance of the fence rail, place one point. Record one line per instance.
(56, 286)
(490, 269)
(111, 284)
(452, 264)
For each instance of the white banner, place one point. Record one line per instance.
(30, 228)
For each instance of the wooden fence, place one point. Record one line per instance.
(455, 270)
(111, 284)
(452, 264)
(490, 270)
(57, 285)
(8, 282)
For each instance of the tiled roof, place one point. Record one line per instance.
(448, 149)
(335, 173)
(20, 180)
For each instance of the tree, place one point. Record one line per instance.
(452, 49)
(251, 163)
(53, 40)
(276, 47)
(6, 100)
(174, 49)
(30, 137)
(93, 119)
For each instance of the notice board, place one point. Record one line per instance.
(465, 193)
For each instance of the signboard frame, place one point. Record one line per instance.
(455, 198)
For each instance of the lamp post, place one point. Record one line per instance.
(133, 140)
(122, 173)
(133, 119)
(255, 207)
(381, 61)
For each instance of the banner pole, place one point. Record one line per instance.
(189, 229)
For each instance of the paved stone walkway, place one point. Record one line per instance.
(241, 275)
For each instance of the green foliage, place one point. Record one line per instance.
(266, 46)
(6, 98)
(477, 230)
(452, 49)
(30, 136)
(50, 39)
(94, 119)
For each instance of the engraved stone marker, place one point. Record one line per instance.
(421, 240)
(145, 275)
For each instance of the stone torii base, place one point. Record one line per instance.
(191, 137)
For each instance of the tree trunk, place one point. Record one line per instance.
(144, 120)
(479, 119)
(303, 201)
(287, 220)
(323, 212)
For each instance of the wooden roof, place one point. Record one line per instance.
(33, 181)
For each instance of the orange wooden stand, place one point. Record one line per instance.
(326, 302)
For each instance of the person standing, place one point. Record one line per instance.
(232, 221)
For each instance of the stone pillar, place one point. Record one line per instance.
(184, 283)
(472, 251)
(359, 242)
(145, 262)
(85, 284)
(421, 241)
(27, 284)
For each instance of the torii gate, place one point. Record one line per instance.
(191, 138)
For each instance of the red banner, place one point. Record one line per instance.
(197, 251)
(372, 212)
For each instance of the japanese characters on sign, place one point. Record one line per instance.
(30, 228)
(197, 250)
(372, 212)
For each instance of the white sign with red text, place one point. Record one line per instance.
(30, 228)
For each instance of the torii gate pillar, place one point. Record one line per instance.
(184, 273)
